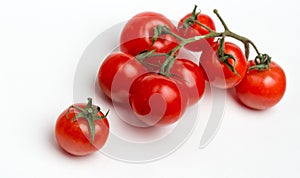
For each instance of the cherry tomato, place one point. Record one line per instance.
(184, 72)
(81, 129)
(219, 74)
(197, 30)
(137, 34)
(156, 100)
(191, 76)
(262, 89)
(116, 74)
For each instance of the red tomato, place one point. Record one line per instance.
(191, 76)
(74, 135)
(218, 73)
(116, 74)
(262, 89)
(137, 34)
(197, 30)
(185, 73)
(156, 100)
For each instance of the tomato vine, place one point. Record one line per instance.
(171, 56)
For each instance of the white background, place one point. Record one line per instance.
(41, 43)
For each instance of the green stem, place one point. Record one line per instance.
(168, 63)
(171, 56)
(221, 20)
(174, 35)
(229, 33)
(146, 54)
(242, 39)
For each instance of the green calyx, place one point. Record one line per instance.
(191, 20)
(90, 113)
(262, 62)
(223, 57)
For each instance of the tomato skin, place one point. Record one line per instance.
(116, 74)
(197, 30)
(156, 100)
(191, 76)
(74, 137)
(217, 72)
(137, 34)
(262, 89)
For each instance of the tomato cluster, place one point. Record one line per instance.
(155, 97)
(158, 84)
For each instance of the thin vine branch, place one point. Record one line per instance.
(171, 56)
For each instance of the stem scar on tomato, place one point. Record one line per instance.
(90, 113)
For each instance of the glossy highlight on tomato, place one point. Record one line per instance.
(156, 100)
(116, 74)
(189, 74)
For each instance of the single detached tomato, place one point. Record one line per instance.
(82, 129)
(219, 73)
(116, 74)
(138, 32)
(262, 89)
(190, 75)
(192, 29)
(156, 100)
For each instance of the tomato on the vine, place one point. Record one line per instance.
(262, 89)
(193, 29)
(184, 72)
(116, 74)
(190, 75)
(82, 129)
(218, 72)
(138, 33)
(156, 99)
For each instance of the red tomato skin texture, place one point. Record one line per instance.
(74, 137)
(219, 74)
(262, 89)
(156, 100)
(197, 30)
(116, 74)
(190, 75)
(137, 34)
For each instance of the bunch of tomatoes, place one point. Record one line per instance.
(153, 74)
